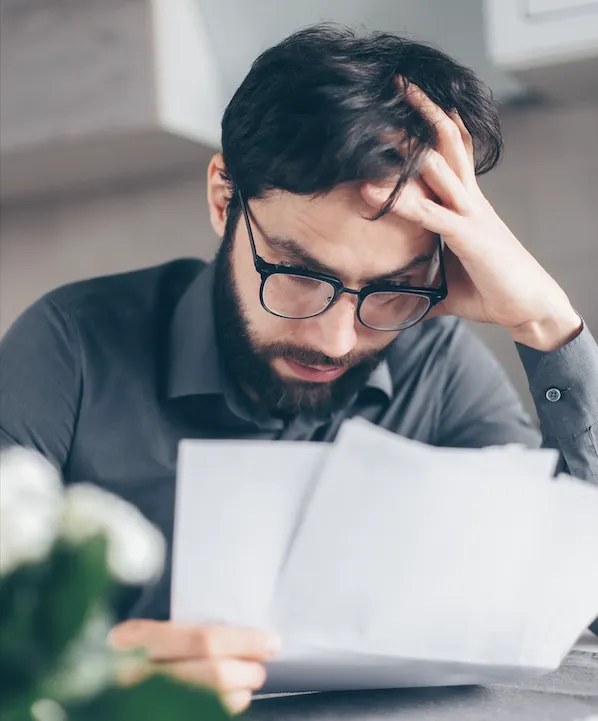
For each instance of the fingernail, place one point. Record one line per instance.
(273, 644)
(120, 638)
(113, 638)
(402, 81)
(237, 701)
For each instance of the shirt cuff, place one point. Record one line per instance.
(564, 385)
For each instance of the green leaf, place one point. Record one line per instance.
(155, 699)
(43, 607)
(77, 581)
(20, 710)
(21, 660)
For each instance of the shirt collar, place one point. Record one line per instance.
(195, 367)
(381, 379)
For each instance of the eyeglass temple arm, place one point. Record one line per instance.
(443, 286)
(256, 257)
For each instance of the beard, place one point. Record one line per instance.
(248, 363)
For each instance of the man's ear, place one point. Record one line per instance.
(218, 194)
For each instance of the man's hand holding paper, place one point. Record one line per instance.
(224, 657)
(398, 564)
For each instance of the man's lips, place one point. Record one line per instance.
(315, 374)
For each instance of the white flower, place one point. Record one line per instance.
(46, 709)
(31, 497)
(136, 548)
(35, 509)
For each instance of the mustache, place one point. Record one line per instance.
(308, 356)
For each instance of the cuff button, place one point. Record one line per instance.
(553, 395)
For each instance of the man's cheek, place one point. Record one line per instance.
(268, 329)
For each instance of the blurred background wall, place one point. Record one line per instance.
(110, 110)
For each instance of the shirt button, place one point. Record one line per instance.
(553, 395)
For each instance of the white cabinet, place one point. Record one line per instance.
(535, 8)
(527, 33)
(552, 45)
(100, 92)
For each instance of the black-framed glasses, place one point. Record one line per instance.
(296, 293)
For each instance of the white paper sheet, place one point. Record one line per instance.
(405, 556)
(237, 505)
(384, 562)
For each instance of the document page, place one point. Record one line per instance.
(384, 562)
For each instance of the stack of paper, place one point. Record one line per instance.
(384, 562)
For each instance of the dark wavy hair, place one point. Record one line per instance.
(323, 107)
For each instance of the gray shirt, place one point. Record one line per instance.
(106, 376)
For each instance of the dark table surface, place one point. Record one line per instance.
(569, 694)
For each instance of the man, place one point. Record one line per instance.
(347, 201)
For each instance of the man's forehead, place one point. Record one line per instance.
(337, 224)
(344, 199)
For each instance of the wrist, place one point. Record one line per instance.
(551, 333)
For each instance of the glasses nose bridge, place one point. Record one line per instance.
(337, 297)
(349, 291)
(352, 291)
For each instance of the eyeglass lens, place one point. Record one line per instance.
(294, 296)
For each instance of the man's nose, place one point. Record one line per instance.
(334, 331)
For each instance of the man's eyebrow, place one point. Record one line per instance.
(411, 265)
(297, 254)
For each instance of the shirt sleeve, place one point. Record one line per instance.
(40, 382)
(479, 405)
(564, 386)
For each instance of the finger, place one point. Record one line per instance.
(166, 641)
(130, 676)
(415, 206)
(376, 195)
(444, 183)
(222, 674)
(430, 215)
(450, 140)
(465, 136)
(237, 701)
